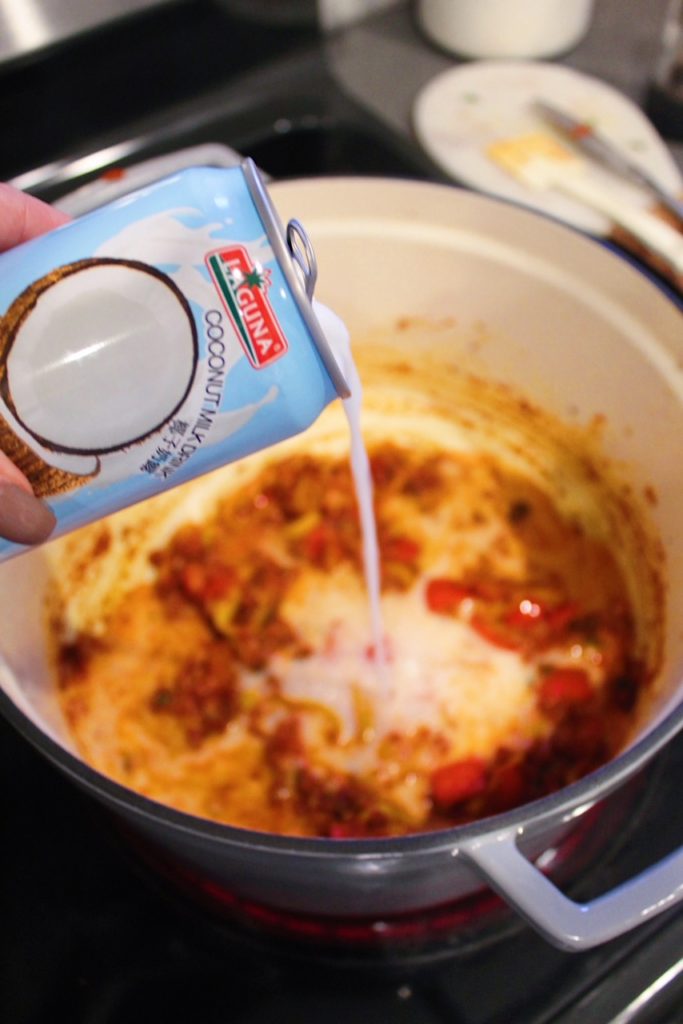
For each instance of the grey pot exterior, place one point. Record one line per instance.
(354, 878)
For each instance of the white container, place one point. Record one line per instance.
(505, 28)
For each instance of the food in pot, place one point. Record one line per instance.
(237, 681)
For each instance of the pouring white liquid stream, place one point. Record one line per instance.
(340, 342)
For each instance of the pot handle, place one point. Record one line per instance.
(564, 923)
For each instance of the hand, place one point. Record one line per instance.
(23, 518)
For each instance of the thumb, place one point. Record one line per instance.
(24, 519)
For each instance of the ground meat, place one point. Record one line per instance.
(204, 696)
(186, 697)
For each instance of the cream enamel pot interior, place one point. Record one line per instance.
(580, 332)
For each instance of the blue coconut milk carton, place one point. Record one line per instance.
(156, 338)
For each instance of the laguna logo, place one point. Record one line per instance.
(243, 288)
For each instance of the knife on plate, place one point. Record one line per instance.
(591, 142)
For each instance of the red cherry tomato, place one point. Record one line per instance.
(444, 596)
(458, 781)
(496, 632)
(562, 687)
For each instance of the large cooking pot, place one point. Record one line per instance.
(580, 332)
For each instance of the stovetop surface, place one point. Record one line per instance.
(90, 936)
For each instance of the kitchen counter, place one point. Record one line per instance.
(144, 76)
(620, 48)
(300, 102)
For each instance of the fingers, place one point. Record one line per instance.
(23, 217)
(23, 518)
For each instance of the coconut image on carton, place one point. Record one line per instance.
(94, 357)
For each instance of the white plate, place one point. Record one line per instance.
(465, 109)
